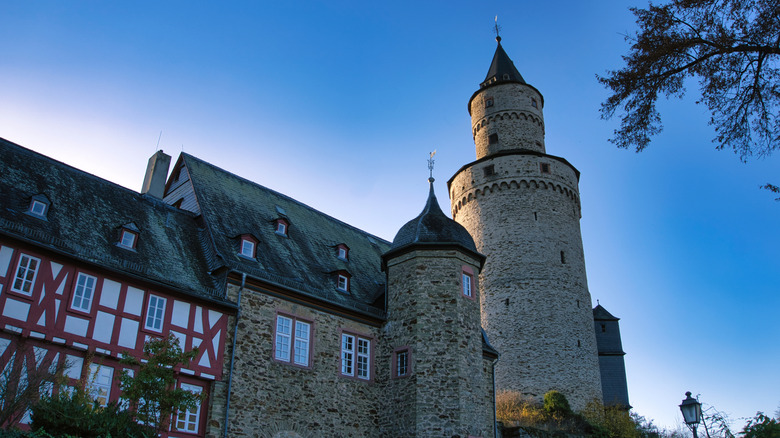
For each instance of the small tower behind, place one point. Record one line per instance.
(439, 381)
(522, 206)
(611, 358)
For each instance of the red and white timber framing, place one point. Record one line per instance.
(54, 323)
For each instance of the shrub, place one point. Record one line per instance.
(76, 414)
(556, 403)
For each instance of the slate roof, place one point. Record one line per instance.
(601, 314)
(85, 218)
(306, 260)
(432, 226)
(502, 69)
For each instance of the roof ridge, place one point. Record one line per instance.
(286, 197)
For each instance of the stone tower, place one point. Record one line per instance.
(438, 385)
(522, 208)
(611, 358)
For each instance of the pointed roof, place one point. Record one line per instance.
(601, 314)
(432, 226)
(502, 69)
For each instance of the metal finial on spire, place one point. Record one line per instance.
(430, 164)
(497, 30)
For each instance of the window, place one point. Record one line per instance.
(563, 257)
(603, 328)
(292, 337)
(281, 227)
(128, 239)
(489, 170)
(533, 103)
(189, 420)
(355, 356)
(342, 251)
(488, 102)
(25, 274)
(492, 138)
(100, 383)
(85, 289)
(247, 247)
(38, 207)
(467, 285)
(544, 167)
(402, 365)
(155, 311)
(343, 283)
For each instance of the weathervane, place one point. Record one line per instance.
(430, 164)
(497, 30)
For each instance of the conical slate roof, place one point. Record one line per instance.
(433, 226)
(601, 314)
(502, 69)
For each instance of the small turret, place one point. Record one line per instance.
(506, 112)
(433, 335)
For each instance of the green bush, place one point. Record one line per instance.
(75, 414)
(556, 403)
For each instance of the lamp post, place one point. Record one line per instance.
(691, 411)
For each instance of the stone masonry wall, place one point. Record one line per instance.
(269, 397)
(445, 396)
(512, 115)
(536, 307)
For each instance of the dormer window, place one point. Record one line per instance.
(248, 246)
(39, 206)
(342, 281)
(128, 236)
(342, 251)
(281, 226)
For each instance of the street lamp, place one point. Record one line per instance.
(691, 410)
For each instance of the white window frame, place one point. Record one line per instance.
(356, 356)
(158, 317)
(128, 239)
(468, 284)
(247, 248)
(342, 253)
(292, 340)
(38, 208)
(22, 275)
(84, 292)
(101, 380)
(402, 365)
(189, 421)
(342, 283)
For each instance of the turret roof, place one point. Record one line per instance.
(502, 69)
(432, 226)
(601, 314)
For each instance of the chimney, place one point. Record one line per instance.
(156, 173)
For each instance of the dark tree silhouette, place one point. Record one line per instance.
(732, 47)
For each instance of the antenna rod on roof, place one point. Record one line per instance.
(158, 140)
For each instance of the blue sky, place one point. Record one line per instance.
(338, 103)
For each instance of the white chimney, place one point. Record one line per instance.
(156, 174)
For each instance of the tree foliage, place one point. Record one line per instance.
(731, 46)
(761, 426)
(25, 377)
(151, 391)
(76, 414)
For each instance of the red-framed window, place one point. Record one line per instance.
(342, 251)
(402, 362)
(293, 340)
(468, 286)
(247, 246)
(357, 356)
(282, 227)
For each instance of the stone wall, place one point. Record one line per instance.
(536, 307)
(427, 311)
(512, 116)
(269, 397)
